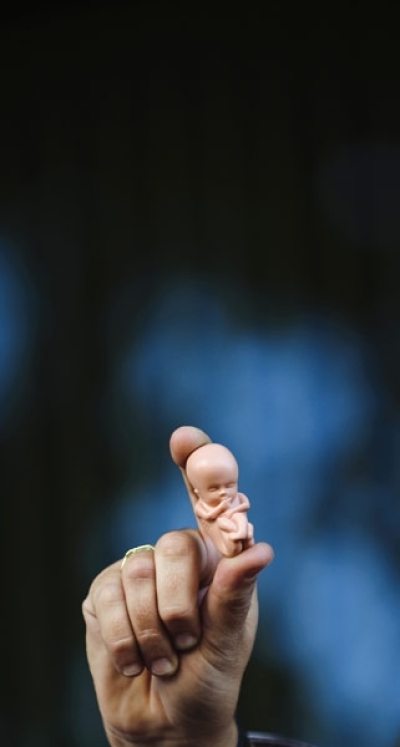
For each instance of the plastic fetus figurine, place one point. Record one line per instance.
(213, 473)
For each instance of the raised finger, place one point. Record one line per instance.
(183, 442)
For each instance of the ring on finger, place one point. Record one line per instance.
(135, 551)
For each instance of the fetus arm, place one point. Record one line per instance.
(203, 511)
(243, 505)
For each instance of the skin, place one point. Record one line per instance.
(169, 636)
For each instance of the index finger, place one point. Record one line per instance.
(183, 442)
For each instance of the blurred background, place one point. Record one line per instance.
(199, 223)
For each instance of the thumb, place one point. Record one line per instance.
(230, 609)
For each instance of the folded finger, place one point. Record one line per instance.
(108, 620)
(180, 561)
(151, 636)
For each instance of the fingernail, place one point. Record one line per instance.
(184, 641)
(131, 670)
(163, 666)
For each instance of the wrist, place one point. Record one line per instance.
(227, 737)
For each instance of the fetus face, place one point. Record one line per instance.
(213, 473)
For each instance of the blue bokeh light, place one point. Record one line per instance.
(295, 406)
(16, 327)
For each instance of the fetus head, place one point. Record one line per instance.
(213, 473)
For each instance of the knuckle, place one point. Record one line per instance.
(86, 607)
(148, 637)
(139, 568)
(119, 647)
(124, 654)
(108, 594)
(173, 613)
(175, 544)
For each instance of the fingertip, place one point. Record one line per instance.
(267, 550)
(248, 565)
(260, 555)
(184, 440)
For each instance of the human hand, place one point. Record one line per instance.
(170, 634)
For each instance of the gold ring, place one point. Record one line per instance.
(135, 550)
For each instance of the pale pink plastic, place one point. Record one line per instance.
(221, 510)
